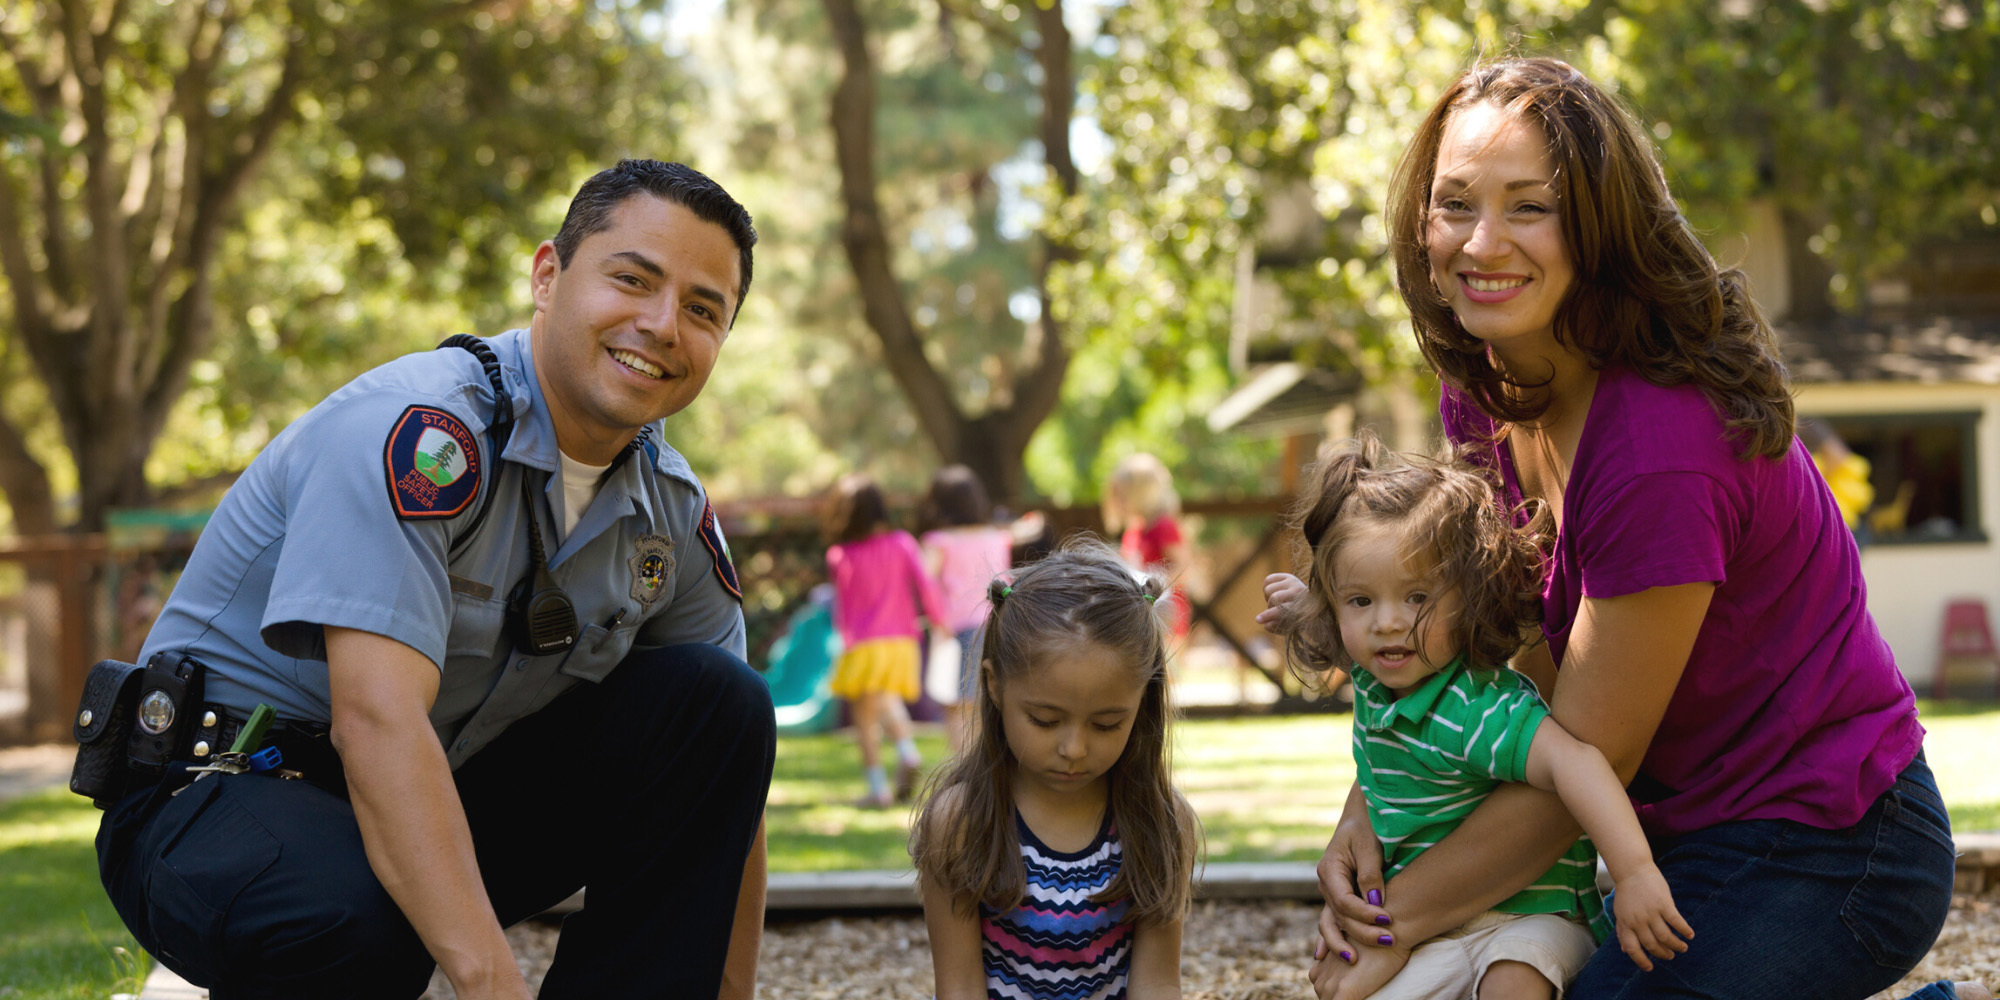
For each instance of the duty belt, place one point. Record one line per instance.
(306, 747)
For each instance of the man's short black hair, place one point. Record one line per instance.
(590, 210)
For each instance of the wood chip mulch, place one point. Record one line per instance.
(1232, 951)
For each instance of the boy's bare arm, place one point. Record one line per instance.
(1647, 919)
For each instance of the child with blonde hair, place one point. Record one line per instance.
(1142, 511)
(1055, 856)
(1419, 582)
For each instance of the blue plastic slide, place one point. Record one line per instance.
(800, 670)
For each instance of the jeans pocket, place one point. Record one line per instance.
(1898, 907)
(217, 854)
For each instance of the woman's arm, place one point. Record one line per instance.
(1350, 875)
(1156, 962)
(954, 933)
(1625, 656)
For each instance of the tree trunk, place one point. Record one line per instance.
(992, 443)
(26, 484)
(117, 308)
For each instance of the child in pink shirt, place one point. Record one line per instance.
(964, 550)
(879, 583)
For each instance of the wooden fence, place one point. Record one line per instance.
(67, 601)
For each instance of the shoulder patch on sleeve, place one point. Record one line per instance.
(711, 536)
(433, 464)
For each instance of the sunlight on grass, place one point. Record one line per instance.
(1959, 742)
(1266, 788)
(59, 937)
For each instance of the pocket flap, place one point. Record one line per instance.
(110, 683)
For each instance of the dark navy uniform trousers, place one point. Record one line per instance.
(646, 789)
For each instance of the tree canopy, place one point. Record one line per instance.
(1010, 233)
(224, 195)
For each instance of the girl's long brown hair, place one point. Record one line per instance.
(1447, 510)
(854, 509)
(964, 839)
(1647, 292)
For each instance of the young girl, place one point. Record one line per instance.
(1055, 857)
(1142, 511)
(878, 583)
(1418, 581)
(963, 550)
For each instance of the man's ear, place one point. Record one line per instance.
(542, 274)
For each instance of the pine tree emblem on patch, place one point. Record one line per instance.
(433, 464)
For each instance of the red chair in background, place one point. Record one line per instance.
(1965, 649)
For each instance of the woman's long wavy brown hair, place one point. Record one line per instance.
(1447, 513)
(964, 838)
(1647, 294)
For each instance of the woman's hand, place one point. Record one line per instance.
(1334, 979)
(1350, 880)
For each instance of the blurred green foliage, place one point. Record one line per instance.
(431, 145)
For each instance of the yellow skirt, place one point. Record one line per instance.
(877, 665)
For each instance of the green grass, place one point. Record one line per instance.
(59, 937)
(1959, 743)
(1266, 789)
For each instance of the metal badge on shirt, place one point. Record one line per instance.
(652, 562)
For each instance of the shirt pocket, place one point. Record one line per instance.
(598, 650)
(478, 629)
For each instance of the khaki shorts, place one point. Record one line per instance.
(1449, 966)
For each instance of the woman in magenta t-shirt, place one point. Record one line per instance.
(1706, 616)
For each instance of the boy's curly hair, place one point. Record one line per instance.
(1450, 517)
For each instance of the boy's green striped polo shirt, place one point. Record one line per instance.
(1426, 760)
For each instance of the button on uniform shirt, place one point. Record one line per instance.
(357, 516)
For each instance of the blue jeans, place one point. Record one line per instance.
(1782, 909)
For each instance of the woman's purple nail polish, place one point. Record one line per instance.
(1385, 940)
(1347, 956)
(1382, 918)
(1374, 897)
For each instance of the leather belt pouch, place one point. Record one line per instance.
(103, 729)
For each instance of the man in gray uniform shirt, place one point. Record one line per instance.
(499, 628)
